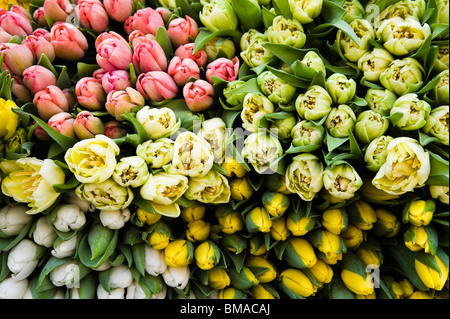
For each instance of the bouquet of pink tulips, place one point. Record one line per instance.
(224, 149)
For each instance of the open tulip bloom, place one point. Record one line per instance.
(247, 149)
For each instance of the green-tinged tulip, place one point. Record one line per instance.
(403, 76)
(248, 37)
(230, 221)
(261, 291)
(407, 166)
(351, 50)
(432, 278)
(440, 192)
(355, 276)
(353, 10)
(258, 220)
(402, 9)
(164, 188)
(276, 89)
(370, 125)
(146, 217)
(234, 243)
(305, 10)
(179, 253)
(299, 225)
(306, 133)
(414, 112)
(419, 212)
(299, 253)
(295, 282)
(341, 181)
(387, 224)
(198, 230)
(261, 149)
(352, 237)
(403, 36)
(443, 11)
(212, 188)
(219, 47)
(370, 256)
(376, 152)
(437, 124)
(276, 183)
(10, 119)
(341, 89)
(194, 212)
(218, 278)
(275, 203)
(314, 104)
(442, 62)
(304, 176)
(335, 220)
(416, 239)
(362, 215)
(207, 255)
(131, 171)
(255, 54)
(241, 189)
(269, 274)
(322, 272)
(159, 238)
(15, 142)
(286, 31)
(233, 167)
(214, 132)
(380, 100)
(257, 246)
(340, 121)
(330, 246)
(231, 293)
(314, 61)
(283, 126)
(192, 155)
(157, 153)
(30, 181)
(279, 230)
(158, 122)
(218, 15)
(234, 99)
(402, 289)
(254, 107)
(107, 195)
(244, 279)
(373, 62)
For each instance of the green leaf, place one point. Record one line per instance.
(290, 78)
(439, 171)
(162, 37)
(248, 13)
(250, 86)
(204, 37)
(334, 142)
(138, 252)
(188, 10)
(64, 141)
(139, 129)
(282, 7)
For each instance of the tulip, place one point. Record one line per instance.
(295, 283)
(261, 149)
(218, 15)
(147, 20)
(403, 76)
(36, 78)
(314, 61)
(115, 81)
(413, 110)
(118, 10)
(158, 123)
(69, 42)
(92, 15)
(376, 152)
(117, 293)
(279, 230)
(198, 230)
(212, 188)
(113, 196)
(234, 243)
(314, 104)
(120, 277)
(218, 278)
(257, 246)
(157, 153)
(194, 212)
(335, 220)
(306, 133)
(356, 283)
(23, 259)
(387, 224)
(244, 279)
(182, 31)
(7, 128)
(341, 120)
(362, 215)
(322, 272)
(402, 289)
(64, 248)
(119, 102)
(154, 261)
(299, 225)
(352, 236)
(370, 125)
(13, 289)
(223, 68)
(4, 36)
(13, 219)
(330, 246)
(146, 217)
(131, 171)
(380, 100)
(283, 126)
(199, 95)
(90, 93)
(276, 89)
(230, 222)
(341, 181)
(440, 192)
(69, 217)
(440, 92)
(420, 295)
(214, 131)
(182, 70)
(19, 90)
(50, 101)
(402, 152)
(372, 63)
(39, 17)
(207, 255)
(219, 47)
(258, 220)
(258, 261)
(114, 54)
(17, 58)
(419, 212)
(436, 124)
(299, 253)
(416, 239)
(186, 51)
(15, 24)
(233, 167)
(156, 86)
(15, 143)
(179, 253)
(432, 278)
(115, 129)
(29, 180)
(177, 277)
(286, 31)
(341, 89)
(254, 108)
(58, 10)
(137, 37)
(44, 234)
(351, 50)
(164, 188)
(87, 126)
(159, 238)
(39, 46)
(149, 56)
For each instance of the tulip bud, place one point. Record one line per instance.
(218, 278)
(63, 123)
(234, 243)
(182, 70)
(116, 80)
(322, 272)
(355, 277)
(207, 255)
(436, 124)
(159, 238)
(416, 239)
(402, 289)
(114, 219)
(341, 89)
(223, 68)
(149, 56)
(387, 224)
(50, 101)
(341, 181)
(92, 15)
(440, 192)
(340, 121)
(147, 20)
(114, 54)
(330, 246)
(177, 277)
(58, 10)
(364, 31)
(258, 261)
(182, 31)
(44, 234)
(254, 107)
(335, 220)
(403, 76)
(314, 104)
(131, 171)
(69, 217)
(13, 220)
(87, 125)
(15, 24)
(286, 31)
(279, 230)
(69, 42)
(284, 126)
(275, 203)
(413, 110)
(14, 143)
(296, 284)
(376, 152)
(198, 230)
(118, 10)
(185, 51)
(179, 253)
(113, 196)
(65, 248)
(380, 100)
(299, 225)
(241, 189)
(116, 293)
(299, 253)
(432, 278)
(39, 45)
(276, 89)
(314, 61)
(419, 212)
(154, 261)
(156, 86)
(352, 236)
(23, 259)
(255, 54)
(17, 58)
(218, 15)
(261, 149)
(199, 95)
(13, 289)
(244, 279)
(306, 133)
(90, 93)
(158, 122)
(233, 167)
(157, 153)
(229, 221)
(258, 220)
(372, 63)
(370, 125)
(305, 11)
(194, 212)
(120, 276)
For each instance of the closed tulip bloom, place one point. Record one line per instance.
(440, 192)
(314, 61)
(356, 283)
(352, 236)
(182, 70)
(370, 256)
(116, 293)
(69, 217)
(402, 289)
(330, 246)
(131, 171)
(376, 152)
(279, 230)
(306, 133)
(240, 189)
(296, 282)
(370, 125)
(341, 181)
(4, 36)
(206, 255)
(258, 261)
(254, 108)
(299, 225)
(92, 15)
(218, 278)
(231, 223)
(116, 80)
(340, 121)
(380, 100)
(186, 51)
(362, 215)
(341, 88)
(223, 68)
(147, 20)
(421, 295)
(15, 24)
(17, 58)
(156, 86)
(198, 230)
(322, 272)
(432, 278)
(58, 10)
(159, 240)
(65, 248)
(118, 10)
(261, 149)
(182, 31)
(119, 102)
(13, 289)
(69, 42)
(120, 276)
(194, 212)
(114, 219)
(286, 31)
(90, 93)
(387, 224)
(275, 203)
(372, 63)
(7, 128)
(436, 124)
(44, 234)
(416, 239)
(300, 253)
(234, 243)
(179, 253)
(23, 259)
(114, 54)
(154, 261)
(335, 220)
(364, 31)
(314, 104)
(305, 11)
(440, 92)
(233, 167)
(13, 219)
(146, 217)
(149, 56)
(218, 15)
(258, 220)
(40, 46)
(177, 277)
(276, 89)
(420, 212)
(199, 95)
(137, 37)
(403, 76)
(87, 126)
(37, 78)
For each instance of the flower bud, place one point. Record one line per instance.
(44, 234)
(207, 255)
(357, 283)
(156, 86)
(258, 261)
(118, 10)
(198, 230)
(283, 126)
(13, 289)
(164, 188)
(39, 46)
(299, 253)
(440, 192)
(402, 289)
(240, 188)
(183, 70)
(149, 56)
(14, 143)
(229, 221)
(432, 278)
(87, 126)
(199, 95)
(116, 293)
(179, 253)
(223, 68)
(276, 89)
(254, 107)
(362, 215)
(258, 220)
(416, 239)
(15, 23)
(403, 76)
(113, 54)
(261, 149)
(306, 133)
(154, 261)
(256, 245)
(58, 10)
(90, 93)
(157, 153)
(351, 50)
(120, 276)
(218, 278)
(69, 43)
(92, 15)
(330, 246)
(65, 248)
(286, 31)
(419, 212)
(341, 89)
(376, 152)
(158, 122)
(63, 123)
(255, 54)
(114, 219)
(279, 230)
(322, 272)
(299, 225)
(69, 217)
(50, 101)
(146, 20)
(116, 80)
(436, 124)
(296, 283)
(305, 11)
(314, 104)
(275, 203)
(387, 224)
(314, 61)
(335, 220)
(372, 63)
(340, 121)
(352, 237)
(131, 171)
(233, 167)
(159, 238)
(244, 279)
(341, 181)
(414, 112)
(370, 125)
(182, 31)
(23, 259)
(13, 220)
(119, 102)
(380, 100)
(218, 15)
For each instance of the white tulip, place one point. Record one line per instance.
(13, 289)
(135, 291)
(69, 217)
(28, 294)
(120, 277)
(72, 198)
(176, 277)
(22, 259)
(13, 219)
(114, 219)
(66, 275)
(44, 234)
(162, 294)
(154, 261)
(117, 293)
(64, 248)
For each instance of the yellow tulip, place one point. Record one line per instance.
(10, 120)
(198, 230)
(297, 282)
(335, 220)
(178, 253)
(430, 277)
(218, 278)
(356, 283)
(259, 261)
(279, 230)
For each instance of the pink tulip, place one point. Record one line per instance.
(50, 101)
(58, 10)
(87, 125)
(71, 98)
(19, 90)
(128, 26)
(63, 123)
(156, 86)
(149, 57)
(122, 101)
(115, 129)
(39, 17)
(165, 13)
(40, 133)
(116, 80)
(185, 51)
(182, 31)
(147, 20)
(22, 11)
(42, 33)
(4, 36)
(69, 42)
(36, 78)
(15, 24)
(199, 95)
(17, 57)
(39, 46)
(108, 35)
(119, 10)
(90, 93)
(136, 37)
(113, 54)
(223, 68)
(99, 74)
(92, 15)
(182, 70)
